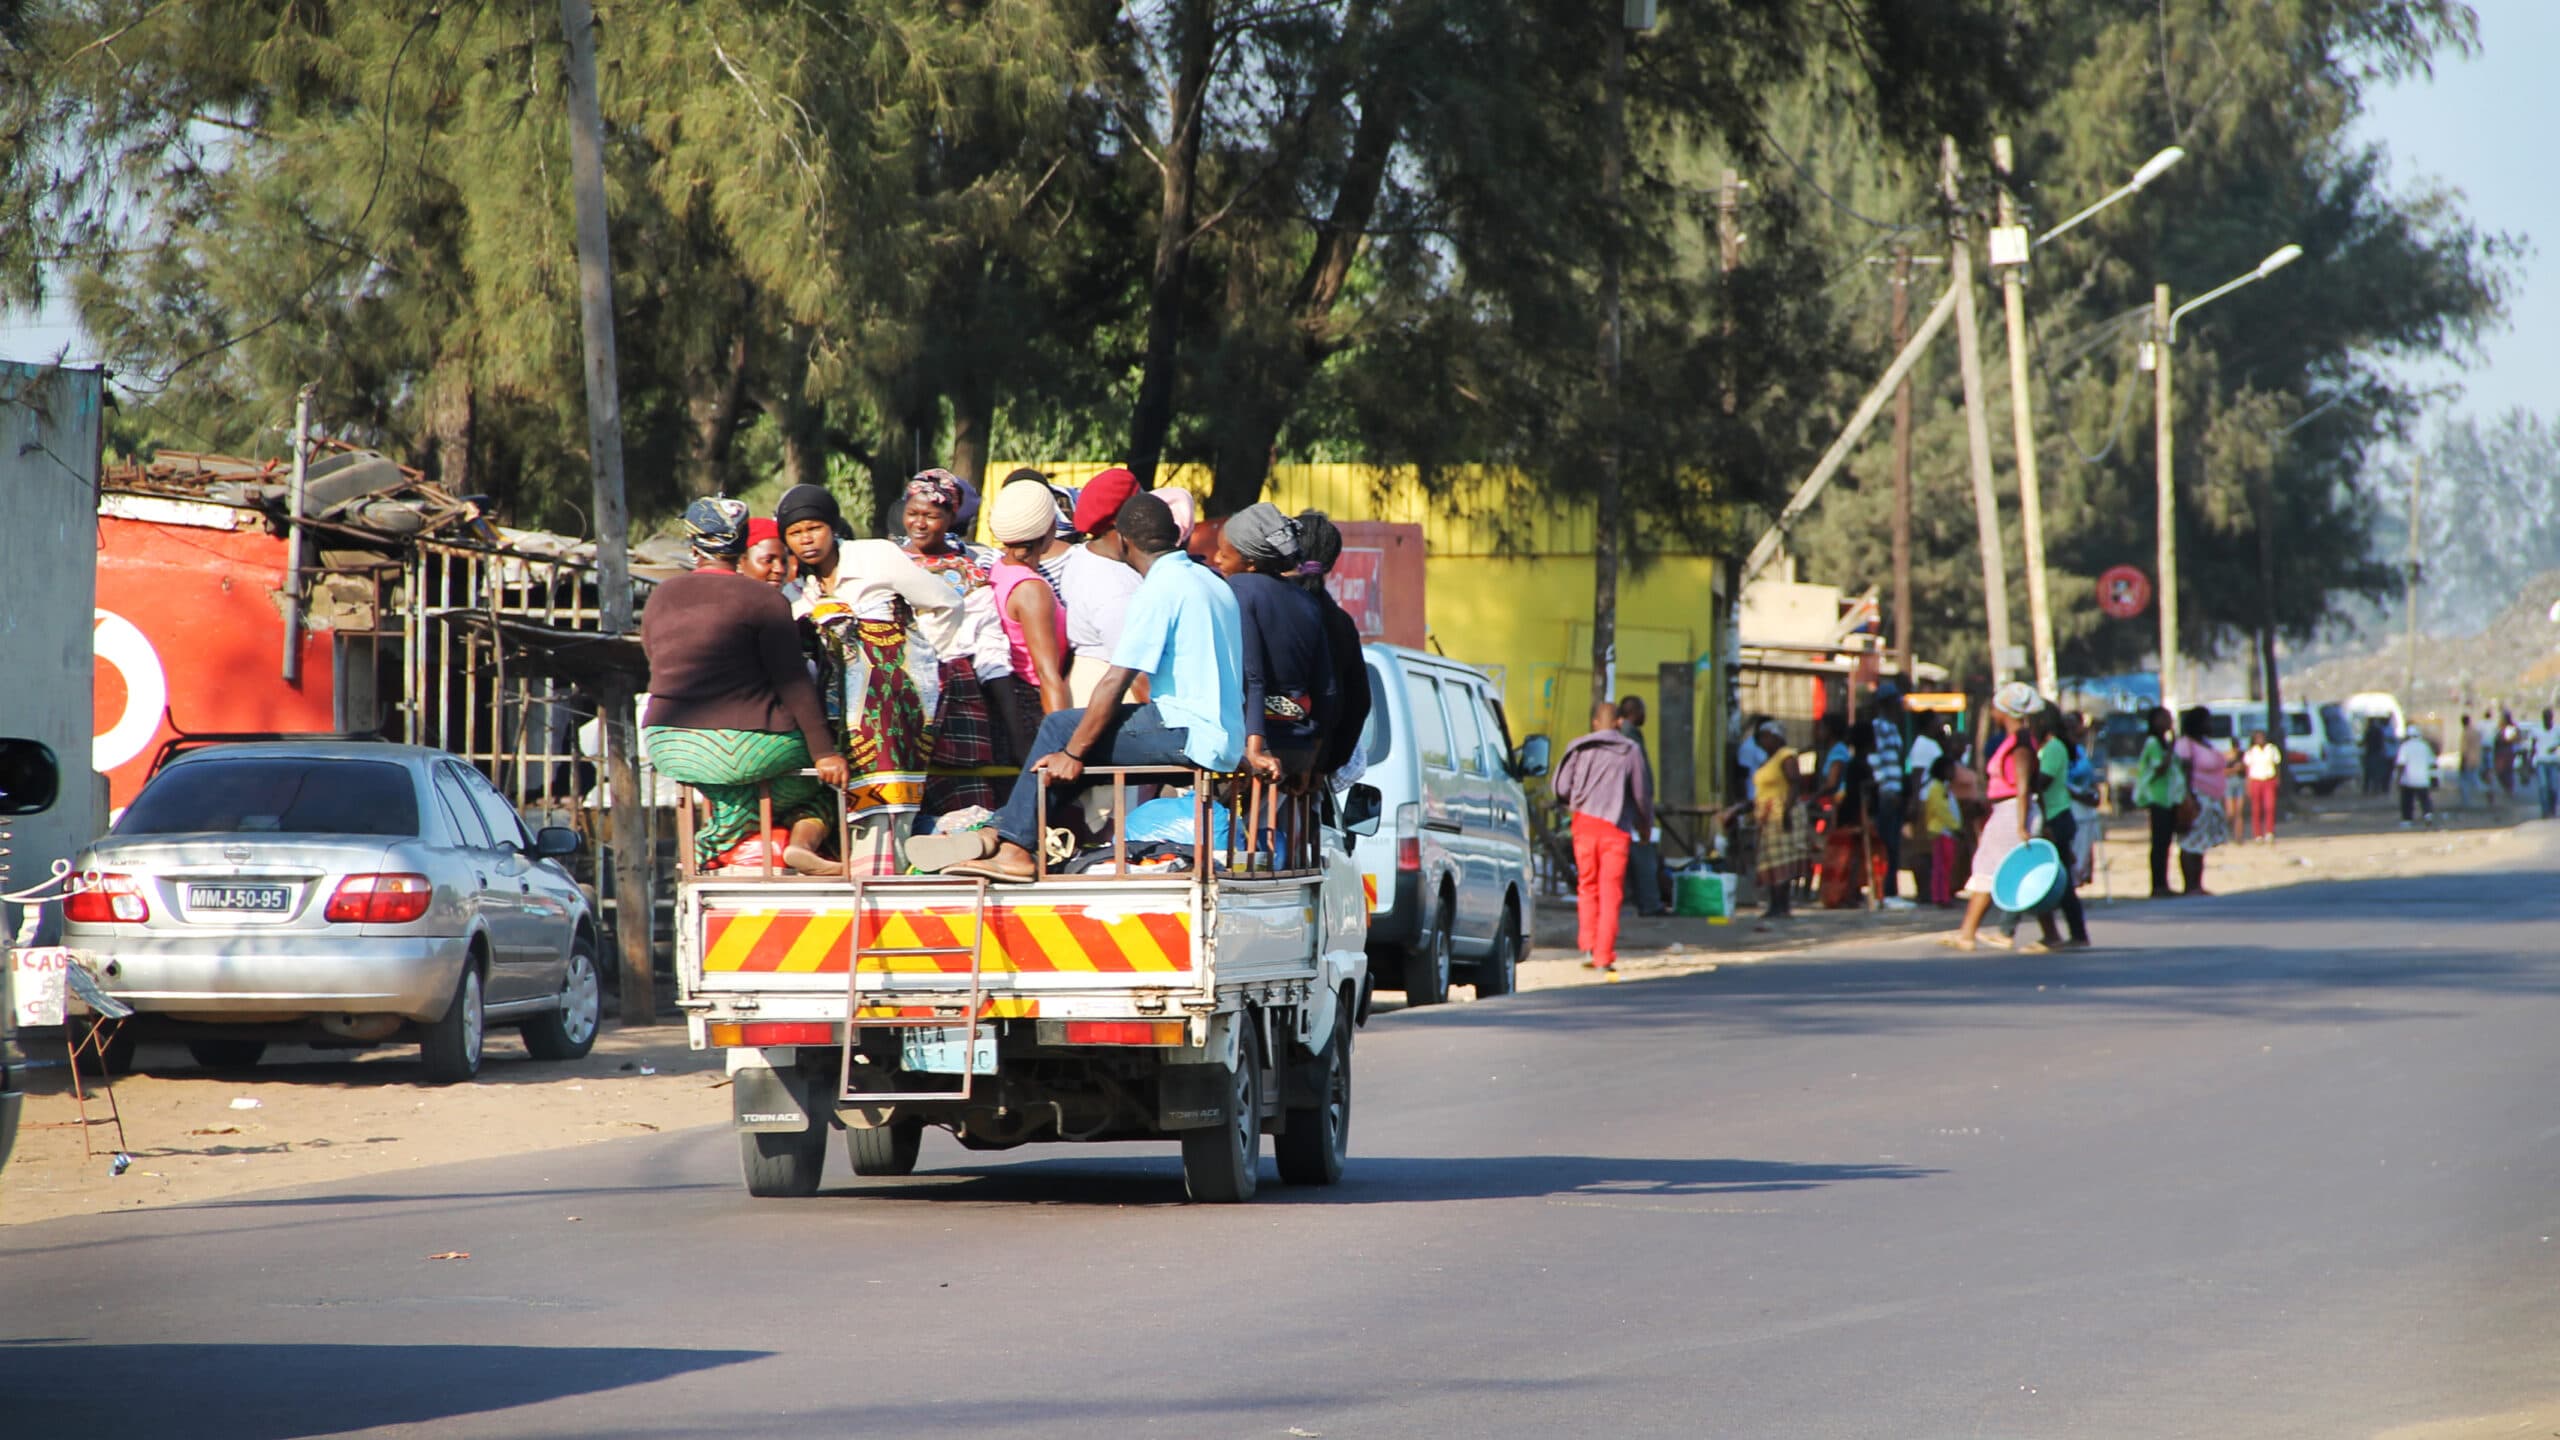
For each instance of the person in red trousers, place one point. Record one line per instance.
(2264, 766)
(1602, 777)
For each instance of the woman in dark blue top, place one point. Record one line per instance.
(1288, 664)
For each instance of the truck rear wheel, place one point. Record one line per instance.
(1222, 1164)
(785, 1164)
(889, 1149)
(1318, 1138)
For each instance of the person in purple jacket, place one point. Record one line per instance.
(1604, 778)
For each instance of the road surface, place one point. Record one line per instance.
(2284, 1164)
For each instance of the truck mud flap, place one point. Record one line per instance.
(769, 1101)
(1192, 1097)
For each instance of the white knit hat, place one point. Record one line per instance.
(1023, 512)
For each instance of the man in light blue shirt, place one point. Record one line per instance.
(1184, 633)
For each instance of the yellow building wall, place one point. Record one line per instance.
(1508, 576)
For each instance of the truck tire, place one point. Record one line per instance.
(451, 1049)
(1222, 1164)
(1318, 1137)
(785, 1165)
(1427, 966)
(889, 1149)
(1498, 973)
(227, 1054)
(569, 1032)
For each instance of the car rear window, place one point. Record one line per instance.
(276, 794)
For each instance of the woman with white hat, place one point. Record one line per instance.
(2010, 784)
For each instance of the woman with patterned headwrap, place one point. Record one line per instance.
(878, 620)
(731, 709)
(964, 730)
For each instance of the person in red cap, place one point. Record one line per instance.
(1097, 582)
(767, 559)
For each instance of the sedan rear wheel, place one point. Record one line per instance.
(452, 1046)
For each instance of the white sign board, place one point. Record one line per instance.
(36, 984)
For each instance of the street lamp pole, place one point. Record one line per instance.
(2009, 249)
(2164, 337)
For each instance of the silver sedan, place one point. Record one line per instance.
(341, 894)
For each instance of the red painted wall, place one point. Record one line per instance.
(191, 634)
(1378, 580)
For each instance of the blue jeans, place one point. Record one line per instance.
(2548, 772)
(1137, 735)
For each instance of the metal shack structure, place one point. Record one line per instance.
(409, 616)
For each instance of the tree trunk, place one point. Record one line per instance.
(716, 406)
(1151, 418)
(452, 416)
(973, 424)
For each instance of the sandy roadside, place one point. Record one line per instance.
(322, 1117)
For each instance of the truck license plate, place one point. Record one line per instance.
(947, 1050)
(265, 899)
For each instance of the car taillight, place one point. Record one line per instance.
(104, 900)
(379, 900)
(1409, 836)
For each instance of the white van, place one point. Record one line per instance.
(2306, 741)
(1448, 874)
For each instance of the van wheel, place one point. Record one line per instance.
(1312, 1148)
(889, 1149)
(451, 1050)
(1426, 969)
(1498, 973)
(1222, 1164)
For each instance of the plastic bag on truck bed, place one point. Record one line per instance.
(1168, 820)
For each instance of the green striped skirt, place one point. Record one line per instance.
(729, 767)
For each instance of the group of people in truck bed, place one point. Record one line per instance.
(907, 673)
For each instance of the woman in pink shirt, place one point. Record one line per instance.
(2209, 778)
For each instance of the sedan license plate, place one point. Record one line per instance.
(259, 899)
(939, 1050)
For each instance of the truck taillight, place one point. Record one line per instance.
(773, 1032)
(105, 900)
(1409, 836)
(379, 900)
(1114, 1032)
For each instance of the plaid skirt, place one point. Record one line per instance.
(1786, 846)
(964, 737)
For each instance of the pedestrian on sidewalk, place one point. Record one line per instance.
(2377, 758)
(2546, 764)
(1885, 726)
(2209, 781)
(1849, 842)
(2417, 766)
(2061, 828)
(2264, 766)
(2468, 759)
(2160, 787)
(1603, 777)
(1786, 831)
(2010, 784)
(1941, 825)
(1644, 856)
(2504, 743)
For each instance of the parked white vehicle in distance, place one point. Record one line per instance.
(2377, 705)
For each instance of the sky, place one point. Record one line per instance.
(2478, 126)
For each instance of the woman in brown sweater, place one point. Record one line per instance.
(731, 707)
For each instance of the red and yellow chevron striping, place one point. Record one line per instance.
(1021, 940)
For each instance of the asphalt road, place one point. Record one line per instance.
(2276, 1165)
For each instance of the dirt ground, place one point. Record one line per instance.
(321, 1116)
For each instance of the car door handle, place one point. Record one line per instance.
(1448, 827)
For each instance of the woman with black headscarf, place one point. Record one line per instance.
(1341, 722)
(865, 599)
(731, 710)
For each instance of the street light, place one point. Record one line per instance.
(2152, 169)
(2009, 249)
(2164, 332)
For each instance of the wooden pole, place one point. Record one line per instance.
(1902, 470)
(2165, 472)
(1977, 422)
(1608, 519)
(2409, 603)
(631, 902)
(2013, 300)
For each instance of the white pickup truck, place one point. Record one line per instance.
(1212, 999)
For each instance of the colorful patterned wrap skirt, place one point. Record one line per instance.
(729, 767)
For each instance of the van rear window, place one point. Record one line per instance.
(276, 794)
(1378, 736)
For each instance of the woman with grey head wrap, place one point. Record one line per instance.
(1341, 719)
(716, 526)
(1267, 540)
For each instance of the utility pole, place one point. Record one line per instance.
(1977, 425)
(293, 537)
(2409, 602)
(1902, 469)
(1729, 258)
(2013, 299)
(2163, 441)
(1609, 502)
(633, 910)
